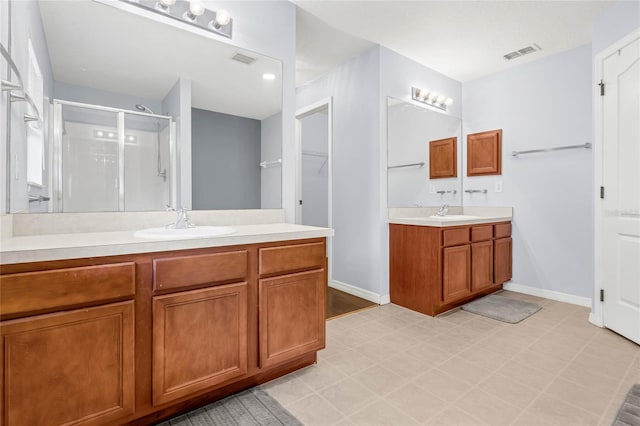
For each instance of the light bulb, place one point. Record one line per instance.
(111, 135)
(449, 101)
(196, 7)
(269, 76)
(167, 3)
(433, 97)
(222, 18)
(99, 133)
(441, 99)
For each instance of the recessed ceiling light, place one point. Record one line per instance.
(269, 76)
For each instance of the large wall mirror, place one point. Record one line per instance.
(146, 115)
(424, 166)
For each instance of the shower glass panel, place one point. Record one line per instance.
(89, 160)
(112, 160)
(147, 175)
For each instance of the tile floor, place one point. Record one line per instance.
(391, 366)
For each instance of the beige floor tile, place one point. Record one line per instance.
(315, 410)
(405, 365)
(449, 343)
(332, 347)
(429, 354)
(483, 357)
(348, 396)
(464, 370)
(288, 389)
(320, 376)
(488, 408)
(442, 385)
(356, 336)
(514, 392)
(419, 332)
(597, 382)
(547, 410)
(350, 362)
(457, 316)
(381, 413)
(606, 366)
(579, 396)
(380, 380)
(484, 325)
(542, 361)
(501, 345)
(416, 402)
(454, 416)
(378, 350)
(524, 373)
(435, 325)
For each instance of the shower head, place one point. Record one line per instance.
(143, 108)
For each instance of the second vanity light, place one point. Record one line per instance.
(191, 12)
(430, 98)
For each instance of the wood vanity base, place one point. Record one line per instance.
(435, 269)
(139, 338)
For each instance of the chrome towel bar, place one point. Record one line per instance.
(557, 148)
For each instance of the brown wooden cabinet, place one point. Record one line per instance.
(435, 269)
(199, 340)
(139, 338)
(73, 367)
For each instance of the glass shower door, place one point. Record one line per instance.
(89, 160)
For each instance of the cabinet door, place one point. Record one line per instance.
(199, 340)
(292, 316)
(481, 265)
(502, 260)
(456, 276)
(75, 367)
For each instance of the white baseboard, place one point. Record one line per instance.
(359, 292)
(385, 299)
(548, 294)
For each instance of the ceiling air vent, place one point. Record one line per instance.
(521, 52)
(247, 60)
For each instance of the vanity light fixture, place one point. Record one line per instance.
(430, 98)
(192, 12)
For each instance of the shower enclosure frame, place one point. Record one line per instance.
(57, 150)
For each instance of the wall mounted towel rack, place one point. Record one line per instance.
(473, 191)
(442, 191)
(12, 87)
(557, 148)
(420, 164)
(274, 163)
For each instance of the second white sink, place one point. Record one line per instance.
(181, 234)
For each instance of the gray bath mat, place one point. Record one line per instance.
(502, 308)
(629, 412)
(251, 407)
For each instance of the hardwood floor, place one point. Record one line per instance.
(340, 303)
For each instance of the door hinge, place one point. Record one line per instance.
(602, 295)
(300, 202)
(601, 84)
(602, 192)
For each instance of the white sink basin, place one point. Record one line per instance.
(455, 217)
(181, 234)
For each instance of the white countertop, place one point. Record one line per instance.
(443, 222)
(37, 248)
(424, 216)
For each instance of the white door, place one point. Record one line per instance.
(620, 206)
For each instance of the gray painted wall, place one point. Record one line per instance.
(271, 180)
(225, 161)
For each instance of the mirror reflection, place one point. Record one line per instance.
(147, 116)
(413, 132)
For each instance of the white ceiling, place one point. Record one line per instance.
(99, 46)
(461, 39)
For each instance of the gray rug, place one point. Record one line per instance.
(629, 412)
(251, 407)
(502, 308)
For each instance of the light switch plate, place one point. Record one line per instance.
(498, 187)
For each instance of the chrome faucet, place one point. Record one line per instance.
(442, 211)
(182, 220)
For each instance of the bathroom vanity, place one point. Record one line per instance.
(136, 337)
(439, 264)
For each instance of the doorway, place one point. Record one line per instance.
(618, 173)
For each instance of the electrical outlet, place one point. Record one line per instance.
(432, 189)
(498, 187)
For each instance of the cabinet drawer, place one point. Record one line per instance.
(502, 230)
(275, 260)
(454, 237)
(481, 233)
(185, 271)
(44, 291)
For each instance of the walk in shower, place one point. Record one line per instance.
(108, 159)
